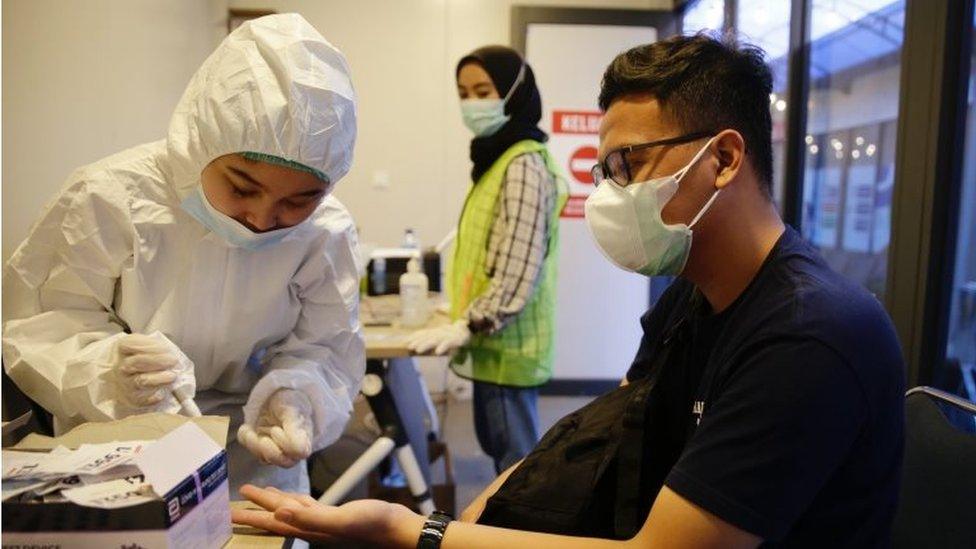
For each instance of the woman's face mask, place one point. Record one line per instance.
(627, 225)
(485, 116)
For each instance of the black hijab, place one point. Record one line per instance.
(525, 105)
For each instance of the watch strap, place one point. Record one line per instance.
(433, 531)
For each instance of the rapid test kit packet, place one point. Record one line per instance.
(139, 491)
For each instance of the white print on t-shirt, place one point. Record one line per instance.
(697, 410)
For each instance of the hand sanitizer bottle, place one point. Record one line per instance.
(413, 296)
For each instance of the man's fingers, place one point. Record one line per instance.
(322, 518)
(304, 499)
(266, 520)
(259, 519)
(266, 498)
(261, 496)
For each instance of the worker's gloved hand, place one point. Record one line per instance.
(440, 340)
(283, 433)
(149, 368)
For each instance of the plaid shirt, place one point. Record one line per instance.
(518, 244)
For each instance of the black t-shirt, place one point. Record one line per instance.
(783, 414)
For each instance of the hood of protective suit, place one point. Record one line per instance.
(273, 86)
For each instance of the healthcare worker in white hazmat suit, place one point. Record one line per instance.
(213, 261)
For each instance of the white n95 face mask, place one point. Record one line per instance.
(237, 235)
(627, 226)
(485, 117)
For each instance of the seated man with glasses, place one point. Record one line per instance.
(765, 403)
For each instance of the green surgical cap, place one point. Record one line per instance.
(271, 159)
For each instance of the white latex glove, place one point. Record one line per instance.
(149, 368)
(283, 434)
(442, 340)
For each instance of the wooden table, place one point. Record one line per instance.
(245, 537)
(385, 338)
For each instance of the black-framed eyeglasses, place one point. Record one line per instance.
(616, 167)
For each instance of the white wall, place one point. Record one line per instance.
(85, 79)
(82, 80)
(403, 54)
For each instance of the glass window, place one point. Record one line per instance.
(766, 24)
(852, 108)
(703, 15)
(958, 373)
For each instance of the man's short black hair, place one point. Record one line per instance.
(705, 84)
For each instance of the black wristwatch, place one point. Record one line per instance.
(433, 530)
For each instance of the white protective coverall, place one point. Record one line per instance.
(115, 253)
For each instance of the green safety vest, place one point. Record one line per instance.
(521, 354)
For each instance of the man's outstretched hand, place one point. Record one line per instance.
(297, 515)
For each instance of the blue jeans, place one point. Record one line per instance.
(506, 422)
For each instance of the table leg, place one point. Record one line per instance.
(356, 472)
(384, 408)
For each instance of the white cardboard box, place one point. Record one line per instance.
(187, 470)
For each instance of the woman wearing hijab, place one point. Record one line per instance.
(503, 276)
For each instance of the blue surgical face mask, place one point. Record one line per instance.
(485, 117)
(224, 226)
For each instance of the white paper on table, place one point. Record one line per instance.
(22, 465)
(63, 483)
(13, 488)
(110, 495)
(92, 459)
(89, 459)
(128, 472)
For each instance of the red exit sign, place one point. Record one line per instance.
(578, 122)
